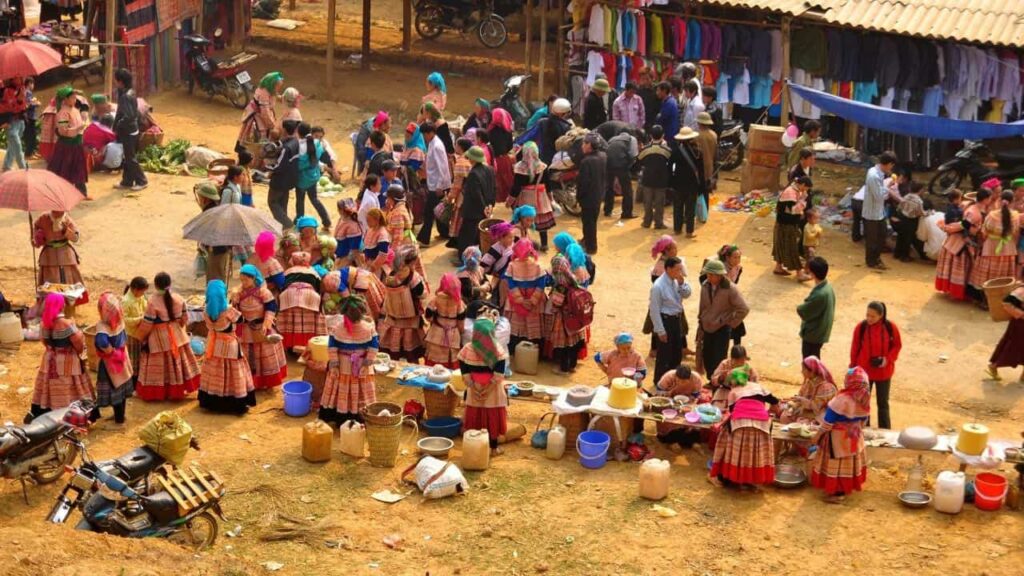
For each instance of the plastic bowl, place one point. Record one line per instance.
(692, 417)
(436, 446)
(445, 427)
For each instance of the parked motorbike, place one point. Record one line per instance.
(40, 451)
(978, 161)
(731, 145)
(229, 78)
(123, 497)
(433, 17)
(513, 104)
(563, 190)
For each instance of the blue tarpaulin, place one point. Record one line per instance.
(906, 123)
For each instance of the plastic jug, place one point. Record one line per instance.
(353, 438)
(316, 441)
(556, 442)
(949, 492)
(915, 477)
(10, 329)
(476, 450)
(527, 355)
(654, 479)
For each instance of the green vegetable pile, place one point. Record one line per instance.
(164, 159)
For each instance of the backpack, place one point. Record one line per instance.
(579, 309)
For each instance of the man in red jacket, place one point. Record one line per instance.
(875, 348)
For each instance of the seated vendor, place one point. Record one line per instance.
(679, 382)
(623, 361)
(719, 378)
(818, 388)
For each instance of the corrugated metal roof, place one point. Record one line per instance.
(999, 22)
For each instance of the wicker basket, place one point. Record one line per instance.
(370, 412)
(384, 442)
(149, 138)
(440, 403)
(574, 424)
(485, 233)
(93, 357)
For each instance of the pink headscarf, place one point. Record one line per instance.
(501, 117)
(265, 245)
(53, 306)
(991, 183)
(450, 285)
(661, 245)
(523, 249)
(380, 119)
(109, 306)
(499, 230)
(814, 364)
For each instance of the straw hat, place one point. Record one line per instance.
(601, 86)
(714, 266)
(704, 119)
(476, 154)
(686, 133)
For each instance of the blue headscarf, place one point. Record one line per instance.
(563, 240)
(306, 222)
(470, 259)
(254, 273)
(437, 81)
(623, 338)
(216, 299)
(343, 279)
(416, 140)
(320, 270)
(525, 211)
(577, 258)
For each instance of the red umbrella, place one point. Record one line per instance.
(26, 58)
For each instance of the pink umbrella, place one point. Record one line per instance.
(22, 58)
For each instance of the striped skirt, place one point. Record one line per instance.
(106, 394)
(134, 348)
(267, 363)
(744, 456)
(401, 341)
(838, 475)
(951, 273)
(529, 326)
(52, 390)
(346, 393)
(298, 325)
(556, 334)
(988, 267)
(162, 376)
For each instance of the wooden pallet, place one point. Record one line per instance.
(191, 487)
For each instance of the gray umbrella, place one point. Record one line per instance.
(230, 225)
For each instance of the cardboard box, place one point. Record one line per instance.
(766, 138)
(760, 178)
(766, 159)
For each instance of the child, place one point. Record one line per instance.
(623, 361)
(369, 199)
(812, 239)
(679, 382)
(114, 382)
(955, 211)
(231, 193)
(245, 181)
(348, 233)
(907, 215)
(376, 242)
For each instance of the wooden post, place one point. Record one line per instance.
(783, 120)
(291, 5)
(332, 8)
(365, 64)
(406, 25)
(543, 46)
(559, 51)
(237, 25)
(529, 46)
(108, 54)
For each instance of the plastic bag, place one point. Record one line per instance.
(168, 435)
(199, 264)
(702, 209)
(439, 479)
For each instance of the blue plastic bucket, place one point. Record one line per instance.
(592, 447)
(297, 397)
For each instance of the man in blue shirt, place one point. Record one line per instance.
(668, 117)
(873, 213)
(666, 311)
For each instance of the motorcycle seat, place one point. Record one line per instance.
(1010, 156)
(162, 507)
(138, 463)
(45, 427)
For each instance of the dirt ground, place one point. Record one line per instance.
(526, 514)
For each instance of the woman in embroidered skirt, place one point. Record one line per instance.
(497, 259)
(525, 305)
(437, 91)
(1009, 353)
(818, 389)
(998, 257)
(788, 217)
(622, 361)
(260, 343)
(114, 376)
(958, 251)
(446, 313)
(399, 219)
(841, 464)
(460, 169)
(719, 381)
(472, 280)
(226, 385)
(348, 234)
(500, 131)
(68, 159)
(259, 117)
(528, 190)
(565, 344)
(482, 363)
(264, 258)
(376, 243)
(401, 330)
(744, 453)
(300, 318)
(55, 233)
(524, 218)
(309, 242)
(168, 369)
(350, 379)
(133, 306)
(62, 376)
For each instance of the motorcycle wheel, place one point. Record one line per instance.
(199, 534)
(236, 94)
(428, 22)
(65, 453)
(944, 181)
(734, 158)
(492, 33)
(566, 197)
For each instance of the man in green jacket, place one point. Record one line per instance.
(817, 311)
(812, 130)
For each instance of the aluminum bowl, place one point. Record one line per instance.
(790, 476)
(915, 499)
(435, 446)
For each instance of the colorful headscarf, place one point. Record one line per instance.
(991, 183)
(524, 211)
(523, 249)
(499, 230)
(437, 81)
(291, 96)
(300, 259)
(739, 376)
(380, 119)
(577, 257)
(109, 306)
(406, 255)
(451, 286)
(485, 343)
(562, 241)
(432, 111)
(530, 165)
(307, 222)
(415, 140)
(98, 99)
(854, 400)
(470, 259)
(347, 206)
(63, 92)
(726, 251)
(53, 307)
(265, 246)
(216, 299)
(270, 80)
(815, 365)
(1018, 183)
(662, 244)
(501, 118)
(623, 338)
(254, 273)
(483, 103)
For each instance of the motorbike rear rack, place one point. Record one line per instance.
(237, 60)
(190, 492)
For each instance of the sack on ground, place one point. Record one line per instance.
(702, 209)
(168, 435)
(439, 479)
(200, 157)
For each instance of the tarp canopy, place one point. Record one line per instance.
(906, 123)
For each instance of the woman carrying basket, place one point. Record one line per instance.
(259, 117)
(353, 348)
